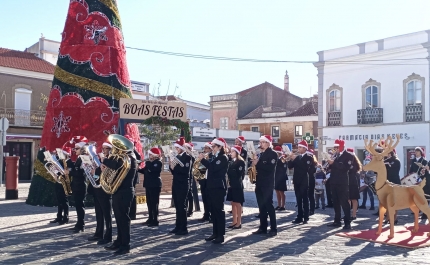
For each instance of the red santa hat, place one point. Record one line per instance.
(208, 144)
(351, 151)
(180, 143)
(241, 139)
(189, 145)
(278, 150)
(67, 151)
(237, 148)
(304, 144)
(340, 144)
(421, 149)
(380, 144)
(155, 152)
(220, 142)
(267, 138)
(310, 152)
(79, 141)
(106, 144)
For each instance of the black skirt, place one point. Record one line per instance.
(354, 193)
(281, 182)
(235, 195)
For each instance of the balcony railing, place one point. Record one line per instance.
(334, 118)
(20, 117)
(370, 116)
(414, 113)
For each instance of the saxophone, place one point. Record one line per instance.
(110, 178)
(199, 171)
(252, 172)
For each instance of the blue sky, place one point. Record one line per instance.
(277, 30)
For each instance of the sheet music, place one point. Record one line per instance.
(86, 159)
(326, 156)
(166, 150)
(286, 149)
(250, 146)
(48, 156)
(60, 153)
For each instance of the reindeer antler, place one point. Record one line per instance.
(388, 147)
(370, 146)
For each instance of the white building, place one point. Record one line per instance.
(374, 89)
(45, 49)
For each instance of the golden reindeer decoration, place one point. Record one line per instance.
(393, 197)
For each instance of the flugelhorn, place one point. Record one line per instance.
(89, 163)
(174, 160)
(199, 171)
(54, 168)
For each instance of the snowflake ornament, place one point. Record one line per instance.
(60, 124)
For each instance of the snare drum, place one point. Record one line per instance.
(411, 179)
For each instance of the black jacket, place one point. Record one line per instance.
(181, 175)
(339, 169)
(244, 154)
(128, 182)
(217, 170)
(281, 169)
(79, 180)
(151, 174)
(266, 169)
(236, 173)
(393, 169)
(302, 167)
(203, 182)
(136, 178)
(414, 167)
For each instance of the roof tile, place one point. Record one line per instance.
(24, 61)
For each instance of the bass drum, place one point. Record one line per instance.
(411, 179)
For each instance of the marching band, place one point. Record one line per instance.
(220, 171)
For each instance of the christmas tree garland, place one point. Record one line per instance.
(183, 126)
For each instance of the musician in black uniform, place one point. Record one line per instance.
(301, 164)
(216, 186)
(123, 195)
(62, 197)
(79, 187)
(133, 208)
(311, 175)
(235, 174)
(354, 183)
(193, 195)
(339, 182)
(102, 205)
(423, 172)
(392, 164)
(265, 167)
(152, 184)
(180, 169)
(280, 179)
(205, 196)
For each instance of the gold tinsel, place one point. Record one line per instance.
(41, 171)
(140, 199)
(112, 7)
(88, 84)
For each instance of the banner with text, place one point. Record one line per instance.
(138, 109)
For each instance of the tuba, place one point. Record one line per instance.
(54, 168)
(111, 178)
(199, 171)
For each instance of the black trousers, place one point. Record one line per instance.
(121, 202)
(193, 198)
(79, 197)
(179, 195)
(103, 209)
(302, 194)
(133, 208)
(328, 193)
(63, 203)
(152, 201)
(340, 195)
(311, 192)
(217, 210)
(265, 206)
(205, 199)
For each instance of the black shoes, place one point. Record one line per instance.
(281, 209)
(78, 230)
(277, 208)
(372, 208)
(204, 219)
(104, 241)
(155, 223)
(147, 222)
(334, 224)
(94, 238)
(55, 221)
(347, 227)
(353, 218)
(305, 221)
(231, 226)
(260, 232)
(272, 233)
(362, 207)
(297, 221)
(212, 237)
(182, 233)
(237, 227)
(64, 221)
(189, 214)
(122, 251)
(112, 247)
(311, 213)
(317, 207)
(218, 240)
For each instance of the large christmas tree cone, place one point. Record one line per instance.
(90, 77)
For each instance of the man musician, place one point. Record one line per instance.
(203, 182)
(265, 167)
(193, 195)
(423, 172)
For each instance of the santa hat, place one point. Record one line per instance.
(303, 143)
(237, 148)
(154, 151)
(67, 151)
(380, 144)
(220, 142)
(106, 144)
(278, 149)
(339, 143)
(79, 141)
(208, 144)
(421, 150)
(351, 151)
(267, 138)
(310, 152)
(241, 139)
(189, 145)
(180, 143)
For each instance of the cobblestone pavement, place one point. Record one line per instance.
(26, 237)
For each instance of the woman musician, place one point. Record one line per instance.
(235, 173)
(280, 178)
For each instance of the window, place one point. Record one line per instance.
(254, 128)
(223, 123)
(299, 130)
(371, 97)
(413, 93)
(334, 99)
(22, 106)
(275, 131)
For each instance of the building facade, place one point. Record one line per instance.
(45, 49)
(25, 83)
(375, 89)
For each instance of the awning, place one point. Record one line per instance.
(12, 136)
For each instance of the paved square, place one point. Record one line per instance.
(26, 237)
